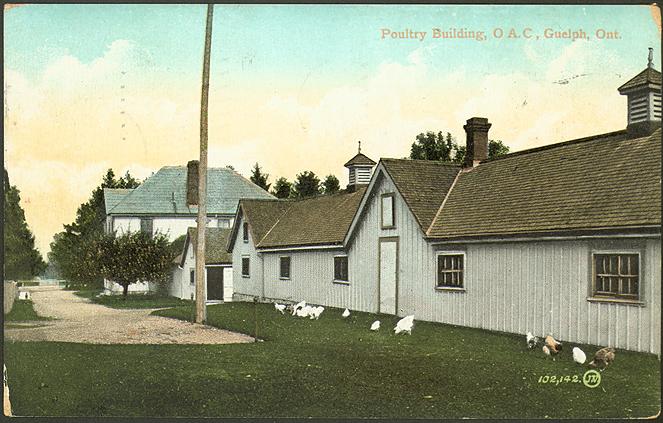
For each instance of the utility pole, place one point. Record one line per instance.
(201, 310)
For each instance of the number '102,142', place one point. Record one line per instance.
(556, 380)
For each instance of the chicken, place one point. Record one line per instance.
(405, 325)
(579, 356)
(375, 325)
(546, 351)
(553, 345)
(280, 307)
(531, 340)
(315, 312)
(603, 358)
(297, 306)
(346, 313)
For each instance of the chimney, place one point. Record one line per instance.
(192, 183)
(643, 94)
(476, 147)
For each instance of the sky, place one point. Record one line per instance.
(293, 88)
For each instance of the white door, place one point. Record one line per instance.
(388, 272)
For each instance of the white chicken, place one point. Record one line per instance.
(297, 306)
(280, 307)
(375, 325)
(531, 340)
(579, 356)
(546, 351)
(315, 312)
(405, 325)
(346, 313)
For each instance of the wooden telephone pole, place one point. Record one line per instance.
(201, 310)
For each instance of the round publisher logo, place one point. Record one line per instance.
(591, 379)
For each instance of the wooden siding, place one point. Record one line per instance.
(251, 286)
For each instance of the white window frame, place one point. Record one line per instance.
(593, 297)
(283, 278)
(391, 195)
(437, 271)
(341, 281)
(245, 232)
(247, 275)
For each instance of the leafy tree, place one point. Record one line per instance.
(282, 188)
(307, 184)
(432, 146)
(74, 249)
(21, 259)
(259, 178)
(331, 185)
(133, 257)
(496, 148)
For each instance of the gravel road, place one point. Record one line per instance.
(79, 320)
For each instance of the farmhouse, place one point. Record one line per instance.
(563, 239)
(167, 201)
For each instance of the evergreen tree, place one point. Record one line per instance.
(307, 184)
(21, 259)
(331, 185)
(282, 188)
(259, 178)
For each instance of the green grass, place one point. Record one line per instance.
(22, 311)
(332, 367)
(133, 300)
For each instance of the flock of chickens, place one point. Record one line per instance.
(552, 347)
(301, 309)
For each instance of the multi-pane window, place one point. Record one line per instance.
(245, 267)
(146, 225)
(245, 232)
(192, 277)
(341, 268)
(223, 223)
(387, 203)
(284, 264)
(450, 269)
(617, 275)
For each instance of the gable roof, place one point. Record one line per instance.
(215, 245)
(423, 184)
(165, 193)
(359, 159)
(321, 220)
(606, 181)
(647, 76)
(112, 196)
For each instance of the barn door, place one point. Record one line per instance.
(388, 275)
(215, 283)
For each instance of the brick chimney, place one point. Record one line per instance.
(192, 183)
(476, 147)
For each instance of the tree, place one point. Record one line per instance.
(432, 146)
(282, 188)
(21, 259)
(331, 185)
(259, 178)
(74, 249)
(133, 257)
(496, 148)
(307, 184)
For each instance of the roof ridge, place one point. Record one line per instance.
(444, 201)
(278, 219)
(435, 162)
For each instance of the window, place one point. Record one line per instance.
(284, 263)
(341, 269)
(245, 231)
(192, 277)
(146, 225)
(617, 275)
(245, 267)
(223, 223)
(450, 268)
(388, 211)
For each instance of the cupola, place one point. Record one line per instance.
(360, 170)
(644, 99)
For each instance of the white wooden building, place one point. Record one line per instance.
(167, 203)
(562, 239)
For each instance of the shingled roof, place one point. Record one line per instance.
(215, 245)
(361, 160)
(112, 196)
(423, 184)
(647, 76)
(321, 220)
(606, 181)
(165, 193)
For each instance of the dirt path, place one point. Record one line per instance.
(79, 320)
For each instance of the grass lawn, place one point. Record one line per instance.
(332, 367)
(23, 311)
(133, 300)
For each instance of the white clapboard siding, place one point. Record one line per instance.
(243, 286)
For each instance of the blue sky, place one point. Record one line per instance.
(88, 87)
